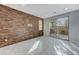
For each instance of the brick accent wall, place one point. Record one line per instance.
(16, 26)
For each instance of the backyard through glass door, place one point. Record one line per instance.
(59, 28)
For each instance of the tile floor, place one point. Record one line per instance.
(41, 46)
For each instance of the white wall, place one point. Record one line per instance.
(73, 25)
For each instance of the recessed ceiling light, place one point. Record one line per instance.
(66, 9)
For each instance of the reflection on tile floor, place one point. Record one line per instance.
(41, 46)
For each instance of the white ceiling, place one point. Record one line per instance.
(44, 10)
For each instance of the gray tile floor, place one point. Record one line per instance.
(41, 46)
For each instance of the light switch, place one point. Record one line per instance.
(6, 40)
(29, 25)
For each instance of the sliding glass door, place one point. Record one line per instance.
(59, 28)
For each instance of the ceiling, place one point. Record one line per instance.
(45, 10)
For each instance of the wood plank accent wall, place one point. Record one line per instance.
(16, 26)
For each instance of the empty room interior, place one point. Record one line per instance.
(39, 29)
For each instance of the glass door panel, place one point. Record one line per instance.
(59, 28)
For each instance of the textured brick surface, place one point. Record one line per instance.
(14, 26)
